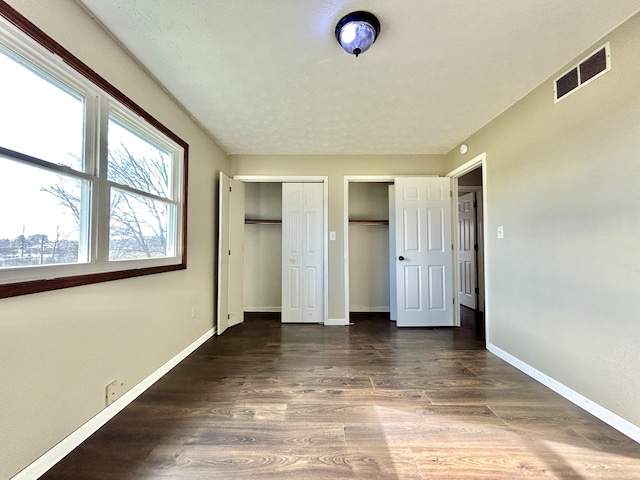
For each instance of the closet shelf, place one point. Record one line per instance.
(369, 222)
(261, 221)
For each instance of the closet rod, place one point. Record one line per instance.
(369, 222)
(261, 221)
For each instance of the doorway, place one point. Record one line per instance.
(366, 237)
(420, 262)
(469, 185)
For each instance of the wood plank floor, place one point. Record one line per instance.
(369, 401)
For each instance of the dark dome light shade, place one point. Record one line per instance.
(357, 31)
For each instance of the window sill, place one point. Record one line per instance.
(36, 286)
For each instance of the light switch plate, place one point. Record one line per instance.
(332, 236)
(500, 231)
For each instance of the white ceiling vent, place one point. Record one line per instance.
(596, 64)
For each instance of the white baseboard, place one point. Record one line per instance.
(62, 449)
(623, 426)
(369, 309)
(339, 322)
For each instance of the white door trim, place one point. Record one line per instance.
(479, 161)
(348, 179)
(324, 179)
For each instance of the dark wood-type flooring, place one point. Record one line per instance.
(369, 401)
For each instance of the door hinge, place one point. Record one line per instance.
(228, 316)
(475, 247)
(452, 247)
(475, 204)
(477, 290)
(229, 252)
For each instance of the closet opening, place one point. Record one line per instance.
(279, 226)
(263, 249)
(367, 233)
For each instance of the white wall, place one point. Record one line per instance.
(58, 350)
(564, 181)
(368, 248)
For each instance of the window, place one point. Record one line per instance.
(92, 188)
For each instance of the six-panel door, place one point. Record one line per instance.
(302, 252)
(423, 251)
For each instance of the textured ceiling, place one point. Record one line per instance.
(268, 77)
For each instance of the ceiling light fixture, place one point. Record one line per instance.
(357, 31)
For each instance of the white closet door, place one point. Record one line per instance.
(302, 253)
(423, 252)
(230, 253)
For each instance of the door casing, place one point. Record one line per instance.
(478, 161)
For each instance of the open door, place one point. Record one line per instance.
(467, 248)
(230, 253)
(423, 252)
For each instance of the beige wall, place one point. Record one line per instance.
(336, 167)
(58, 350)
(564, 181)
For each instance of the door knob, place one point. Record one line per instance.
(400, 258)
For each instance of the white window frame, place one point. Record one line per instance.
(25, 40)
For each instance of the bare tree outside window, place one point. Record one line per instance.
(139, 220)
(138, 223)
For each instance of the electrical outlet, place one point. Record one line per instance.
(113, 391)
(193, 312)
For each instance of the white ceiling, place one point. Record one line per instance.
(268, 77)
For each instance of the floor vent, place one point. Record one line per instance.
(596, 64)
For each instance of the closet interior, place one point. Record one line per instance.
(369, 247)
(263, 247)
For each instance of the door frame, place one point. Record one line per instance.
(324, 179)
(478, 161)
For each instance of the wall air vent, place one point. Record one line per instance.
(596, 64)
